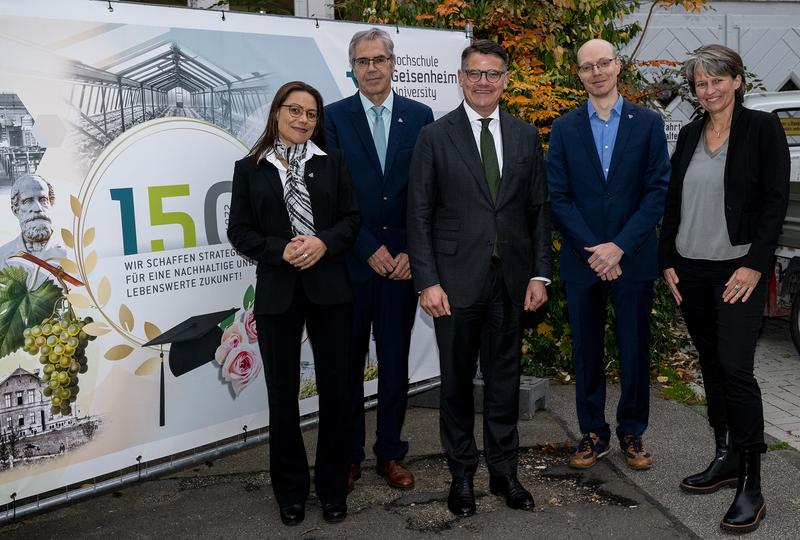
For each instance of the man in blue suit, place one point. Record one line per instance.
(377, 130)
(608, 170)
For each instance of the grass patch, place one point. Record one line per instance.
(675, 389)
(778, 445)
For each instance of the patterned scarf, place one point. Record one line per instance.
(295, 193)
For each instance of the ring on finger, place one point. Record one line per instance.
(737, 287)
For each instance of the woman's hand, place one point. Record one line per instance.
(741, 285)
(309, 251)
(672, 282)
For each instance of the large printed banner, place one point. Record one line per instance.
(118, 133)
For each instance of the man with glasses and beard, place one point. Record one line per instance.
(32, 197)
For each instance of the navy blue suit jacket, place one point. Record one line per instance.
(382, 196)
(624, 208)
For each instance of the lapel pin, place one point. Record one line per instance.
(630, 116)
(399, 120)
(311, 175)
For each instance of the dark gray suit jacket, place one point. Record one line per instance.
(452, 221)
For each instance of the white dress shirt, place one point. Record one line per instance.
(311, 150)
(494, 128)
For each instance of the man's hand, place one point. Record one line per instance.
(402, 268)
(613, 273)
(434, 301)
(604, 257)
(310, 250)
(741, 285)
(672, 282)
(535, 295)
(382, 261)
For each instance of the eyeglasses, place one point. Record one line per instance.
(492, 75)
(377, 61)
(602, 65)
(296, 111)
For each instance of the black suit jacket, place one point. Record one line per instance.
(259, 228)
(452, 222)
(756, 185)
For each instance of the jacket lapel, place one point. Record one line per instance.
(317, 192)
(626, 122)
(273, 180)
(508, 131)
(396, 132)
(359, 121)
(585, 130)
(464, 142)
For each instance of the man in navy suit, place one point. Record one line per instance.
(608, 170)
(377, 130)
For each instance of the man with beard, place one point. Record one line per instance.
(32, 197)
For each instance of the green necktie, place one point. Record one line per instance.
(489, 155)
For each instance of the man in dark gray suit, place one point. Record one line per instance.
(479, 244)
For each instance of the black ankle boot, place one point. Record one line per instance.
(724, 470)
(748, 507)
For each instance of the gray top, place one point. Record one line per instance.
(703, 231)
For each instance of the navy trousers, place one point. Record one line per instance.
(632, 302)
(387, 308)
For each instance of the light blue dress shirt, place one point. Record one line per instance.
(388, 103)
(605, 132)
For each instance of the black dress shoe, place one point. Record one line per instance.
(293, 514)
(334, 512)
(517, 497)
(461, 499)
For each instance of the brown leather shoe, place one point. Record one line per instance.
(396, 474)
(589, 450)
(353, 475)
(636, 455)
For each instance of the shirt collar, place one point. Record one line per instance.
(367, 104)
(617, 108)
(473, 116)
(311, 150)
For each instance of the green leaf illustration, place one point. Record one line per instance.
(21, 307)
(249, 297)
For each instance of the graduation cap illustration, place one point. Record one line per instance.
(194, 342)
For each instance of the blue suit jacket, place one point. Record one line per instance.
(624, 208)
(382, 196)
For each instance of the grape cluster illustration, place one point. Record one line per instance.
(61, 344)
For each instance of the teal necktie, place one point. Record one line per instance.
(489, 155)
(379, 134)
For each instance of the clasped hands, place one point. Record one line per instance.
(605, 259)
(304, 251)
(391, 267)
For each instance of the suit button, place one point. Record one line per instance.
(385, 198)
(384, 227)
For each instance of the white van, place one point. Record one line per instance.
(784, 286)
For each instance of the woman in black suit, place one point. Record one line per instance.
(294, 212)
(725, 206)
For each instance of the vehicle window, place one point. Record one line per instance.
(790, 118)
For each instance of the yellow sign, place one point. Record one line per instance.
(791, 126)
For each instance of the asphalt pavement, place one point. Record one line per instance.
(231, 497)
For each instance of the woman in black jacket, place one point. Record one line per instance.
(294, 212)
(725, 206)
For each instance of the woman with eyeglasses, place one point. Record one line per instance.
(725, 206)
(294, 212)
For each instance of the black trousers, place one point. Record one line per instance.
(279, 339)
(387, 308)
(725, 336)
(491, 326)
